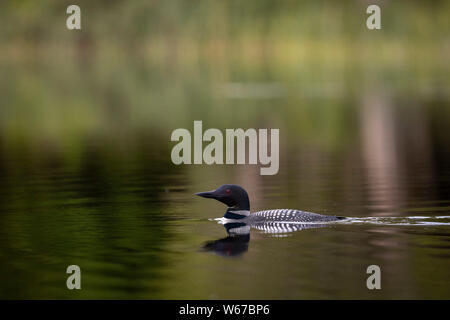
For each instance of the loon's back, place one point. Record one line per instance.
(289, 215)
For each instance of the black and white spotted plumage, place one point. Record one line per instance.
(289, 215)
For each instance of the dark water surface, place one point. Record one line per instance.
(141, 234)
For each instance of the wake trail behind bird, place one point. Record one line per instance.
(401, 221)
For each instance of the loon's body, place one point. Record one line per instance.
(236, 198)
(288, 215)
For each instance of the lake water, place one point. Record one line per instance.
(137, 231)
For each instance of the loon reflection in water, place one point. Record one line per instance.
(236, 243)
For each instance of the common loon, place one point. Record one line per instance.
(236, 198)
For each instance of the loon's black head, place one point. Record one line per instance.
(233, 196)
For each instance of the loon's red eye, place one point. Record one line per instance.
(228, 191)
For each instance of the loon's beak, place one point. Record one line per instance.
(208, 194)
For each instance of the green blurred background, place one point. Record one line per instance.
(148, 67)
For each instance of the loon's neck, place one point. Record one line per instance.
(240, 209)
(236, 213)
